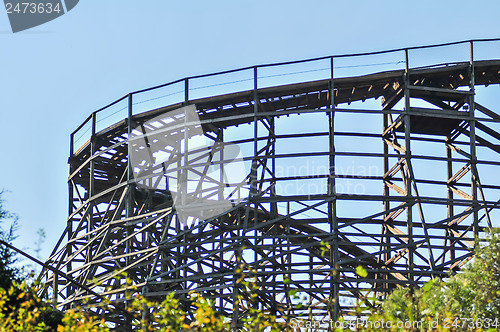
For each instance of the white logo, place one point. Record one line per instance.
(205, 177)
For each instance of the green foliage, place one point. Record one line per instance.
(257, 318)
(360, 271)
(22, 310)
(473, 294)
(467, 301)
(8, 273)
(169, 316)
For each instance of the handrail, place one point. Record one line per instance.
(276, 64)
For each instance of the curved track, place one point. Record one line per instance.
(396, 189)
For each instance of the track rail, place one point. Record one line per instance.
(401, 189)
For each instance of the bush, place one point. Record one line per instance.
(466, 301)
(8, 273)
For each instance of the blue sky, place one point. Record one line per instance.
(53, 76)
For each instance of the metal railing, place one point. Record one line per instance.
(274, 74)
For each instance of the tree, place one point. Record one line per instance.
(8, 273)
(466, 301)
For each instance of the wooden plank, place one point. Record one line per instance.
(487, 111)
(440, 90)
(402, 235)
(395, 145)
(396, 188)
(488, 130)
(461, 193)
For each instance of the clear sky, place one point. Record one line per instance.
(53, 76)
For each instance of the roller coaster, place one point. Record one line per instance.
(290, 174)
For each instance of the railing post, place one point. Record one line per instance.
(332, 205)
(129, 197)
(69, 225)
(92, 151)
(408, 180)
(54, 287)
(473, 156)
(71, 144)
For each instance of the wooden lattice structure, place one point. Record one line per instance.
(414, 215)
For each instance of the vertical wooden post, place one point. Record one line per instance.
(332, 205)
(130, 198)
(408, 179)
(473, 156)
